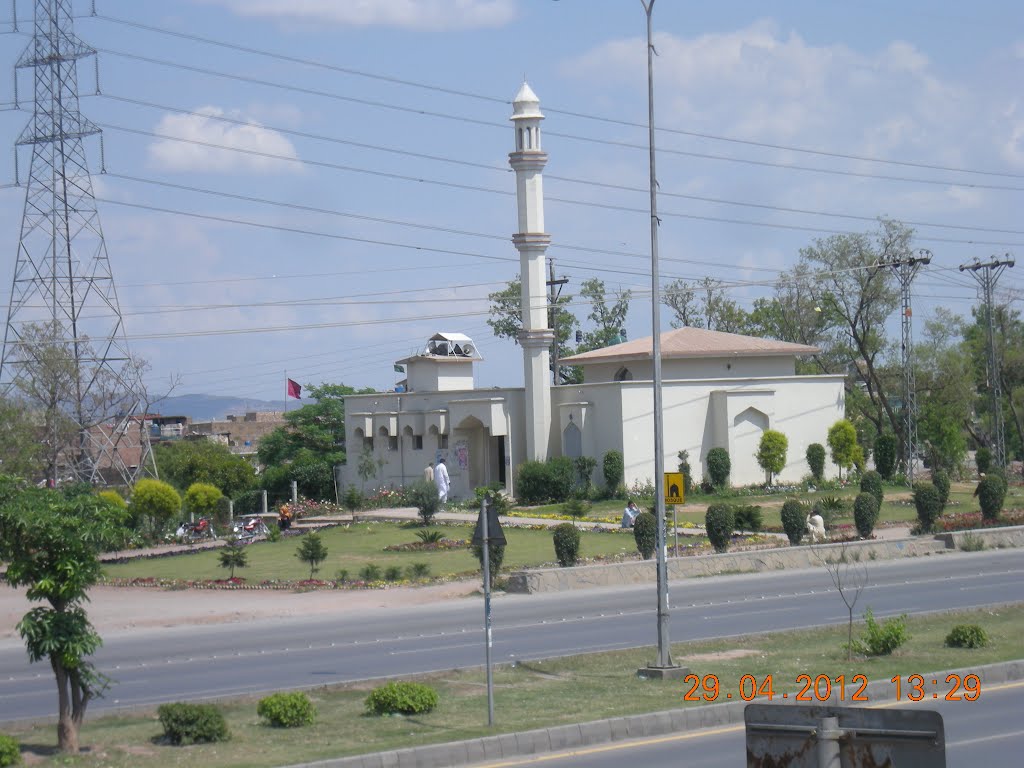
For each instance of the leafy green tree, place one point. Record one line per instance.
(203, 499)
(609, 319)
(156, 501)
(312, 551)
(21, 451)
(51, 541)
(816, 460)
(771, 452)
(506, 321)
(842, 442)
(204, 461)
(234, 555)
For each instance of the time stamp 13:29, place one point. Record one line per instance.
(821, 688)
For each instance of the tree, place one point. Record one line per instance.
(312, 551)
(610, 321)
(885, 454)
(203, 499)
(51, 540)
(154, 503)
(506, 321)
(849, 576)
(234, 555)
(714, 309)
(21, 452)
(204, 461)
(771, 452)
(842, 442)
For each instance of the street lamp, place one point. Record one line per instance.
(664, 666)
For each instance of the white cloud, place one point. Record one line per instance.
(420, 14)
(251, 146)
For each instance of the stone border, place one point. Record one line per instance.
(808, 556)
(564, 737)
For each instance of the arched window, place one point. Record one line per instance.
(623, 374)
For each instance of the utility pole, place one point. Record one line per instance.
(554, 293)
(987, 275)
(905, 270)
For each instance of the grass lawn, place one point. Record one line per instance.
(531, 695)
(354, 547)
(897, 507)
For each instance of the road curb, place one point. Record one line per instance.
(563, 737)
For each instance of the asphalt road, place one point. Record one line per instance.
(984, 732)
(157, 665)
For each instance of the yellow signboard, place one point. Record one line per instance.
(674, 488)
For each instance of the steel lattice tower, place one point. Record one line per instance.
(64, 350)
(987, 274)
(905, 271)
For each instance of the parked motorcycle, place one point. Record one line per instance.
(192, 531)
(250, 528)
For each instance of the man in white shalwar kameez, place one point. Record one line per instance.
(441, 481)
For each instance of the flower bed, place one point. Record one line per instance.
(967, 521)
(428, 546)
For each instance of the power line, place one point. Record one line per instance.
(574, 137)
(569, 113)
(569, 179)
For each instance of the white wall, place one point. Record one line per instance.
(695, 368)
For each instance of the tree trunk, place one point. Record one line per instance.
(67, 728)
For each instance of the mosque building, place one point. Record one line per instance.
(718, 389)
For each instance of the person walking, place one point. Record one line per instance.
(428, 472)
(441, 481)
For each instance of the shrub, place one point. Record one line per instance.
(186, 723)
(871, 482)
(401, 698)
(423, 495)
(287, 710)
(392, 573)
(562, 478)
(928, 504)
(203, 499)
(748, 517)
(353, 499)
(585, 466)
(249, 503)
(567, 544)
(719, 467)
(370, 572)
(430, 537)
(312, 551)
(885, 455)
(612, 467)
(10, 752)
(970, 542)
(495, 557)
(771, 452)
(941, 482)
(113, 498)
(719, 523)
(576, 508)
(341, 575)
(865, 514)
(983, 459)
(684, 467)
(533, 482)
(991, 493)
(794, 520)
(233, 556)
(881, 639)
(967, 636)
(418, 571)
(816, 460)
(645, 529)
(156, 500)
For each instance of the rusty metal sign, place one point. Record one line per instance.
(786, 736)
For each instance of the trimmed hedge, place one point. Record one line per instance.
(186, 723)
(645, 529)
(865, 514)
(928, 504)
(567, 544)
(991, 493)
(719, 522)
(287, 709)
(401, 698)
(885, 455)
(612, 467)
(719, 467)
(941, 482)
(794, 520)
(816, 460)
(871, 482)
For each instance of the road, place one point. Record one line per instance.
(984, 732)
(156, 665)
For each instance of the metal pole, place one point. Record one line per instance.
(295, 492)
(487, 610)
(675, 528)
(664, 649)
(264, 502)
(828, 735)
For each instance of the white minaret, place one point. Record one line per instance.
(531, 241)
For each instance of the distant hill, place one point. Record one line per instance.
(211, 407)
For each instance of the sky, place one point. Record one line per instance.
(311, 189)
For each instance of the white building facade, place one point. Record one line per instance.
(718, 389)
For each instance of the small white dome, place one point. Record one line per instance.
(526, 104)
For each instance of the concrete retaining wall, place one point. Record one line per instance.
(642, 572)
(994, 538)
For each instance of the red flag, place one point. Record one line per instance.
(294, 389)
